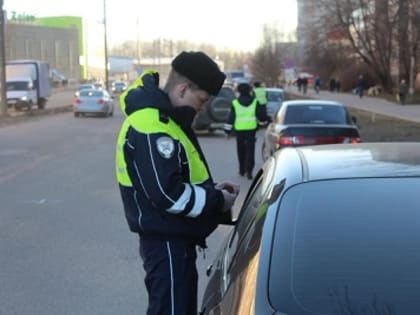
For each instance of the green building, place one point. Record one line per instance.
(68, 22)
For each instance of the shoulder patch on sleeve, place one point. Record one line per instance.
(165, 147)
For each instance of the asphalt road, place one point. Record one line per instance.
(65, 247)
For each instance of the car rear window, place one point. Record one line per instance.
(274, 96)
(316, 114)
(348, 247)
(227, 93)
(91, 93)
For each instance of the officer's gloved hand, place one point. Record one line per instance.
(229, 186)
(229, 199)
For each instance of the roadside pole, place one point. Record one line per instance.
(3, 103)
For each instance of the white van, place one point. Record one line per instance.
(20, 93)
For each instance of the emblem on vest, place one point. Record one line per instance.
(165, 147)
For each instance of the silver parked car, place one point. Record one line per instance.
(275, 97)
(93, 101)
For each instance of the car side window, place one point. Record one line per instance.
(247, 214)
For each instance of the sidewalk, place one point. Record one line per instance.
(372, 104)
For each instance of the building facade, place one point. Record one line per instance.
(57, 46)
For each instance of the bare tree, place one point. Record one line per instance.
(409, 41)
(267, 62)
(370, 27)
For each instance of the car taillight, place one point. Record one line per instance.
(76, 100)
(287, 140)
(353, 140)
(101, 101)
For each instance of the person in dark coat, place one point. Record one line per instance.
(360, 86)
(169, 196)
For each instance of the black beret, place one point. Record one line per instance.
(201, 70)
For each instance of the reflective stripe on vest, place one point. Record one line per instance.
(261, 95)
(147, 121)
(245, 115)
(120, 165)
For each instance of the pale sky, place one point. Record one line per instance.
(224, 23)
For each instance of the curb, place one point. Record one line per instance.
(25, 116)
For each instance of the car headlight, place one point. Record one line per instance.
(24, 98)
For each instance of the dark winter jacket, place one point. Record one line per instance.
(162, 202)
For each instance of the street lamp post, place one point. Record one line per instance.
(3, 103)
(105, 49)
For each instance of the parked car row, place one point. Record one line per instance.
(328, 226)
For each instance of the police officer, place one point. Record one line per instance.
(169, 196)
(245, 115)
(260, 93)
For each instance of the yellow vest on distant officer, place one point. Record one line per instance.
(260, 95)
(245, 117)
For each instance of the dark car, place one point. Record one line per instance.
(215, 114)
(309, 122)
(324, 230)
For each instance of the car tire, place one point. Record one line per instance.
(76, 114)
(219, 109)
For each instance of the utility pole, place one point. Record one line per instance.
(105, 48)
(3, 103)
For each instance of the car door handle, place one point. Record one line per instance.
(209, 269)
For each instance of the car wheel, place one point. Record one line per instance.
(219, 109)
(76, 114)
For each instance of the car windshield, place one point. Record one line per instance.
(316, 114)
(91, 93)
(18, 86)
(353, 252)
(274, 96)
(87, 86)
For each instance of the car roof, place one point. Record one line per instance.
(311, 102)
(342, 161)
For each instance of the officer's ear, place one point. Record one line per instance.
(177, 94)
(182, 89)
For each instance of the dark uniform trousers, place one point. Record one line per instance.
(245, 144)
(171, 276)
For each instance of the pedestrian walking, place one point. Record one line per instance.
(244, 118)
(403, 91)
(337, 85)
(317, 83)
(332, 85)
(360, 86)
(169, 196)
(305, 85)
